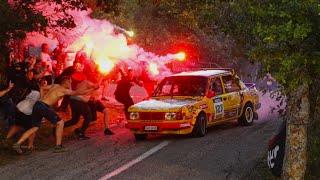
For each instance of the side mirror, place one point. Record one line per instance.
(210, 94)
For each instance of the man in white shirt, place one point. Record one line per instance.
(23, 118)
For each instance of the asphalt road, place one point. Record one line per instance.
(226, 152)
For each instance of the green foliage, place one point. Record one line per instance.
(284, 35)
(164, 26)
(22, 16)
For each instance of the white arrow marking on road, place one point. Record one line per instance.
(135, 161)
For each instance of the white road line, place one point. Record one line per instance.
(135, 161)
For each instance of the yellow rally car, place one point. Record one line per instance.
(189, 102)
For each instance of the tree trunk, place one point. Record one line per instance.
(298, 109)
(313, 165)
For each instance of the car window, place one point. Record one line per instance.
(216, 86)
(166, 88)
(182, 86)
(230, 84)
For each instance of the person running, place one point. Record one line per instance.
(23, 110)
(87, 106)
(122, 92)
(42, 109)
(76, 73)
(23, 117)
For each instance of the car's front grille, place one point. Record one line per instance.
(151, 115)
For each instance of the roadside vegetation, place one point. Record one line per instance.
(283, 36)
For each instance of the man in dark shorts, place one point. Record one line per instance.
(87, 107)
(23, 117)
(122, 92)
(22, 121)
(43, 109)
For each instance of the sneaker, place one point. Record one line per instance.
(59, 149)
(81, 135)
(108, 132)
(29, 151)
(17, 148)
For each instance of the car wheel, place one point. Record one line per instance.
(247, 116)
(140, 137)
(200, 128)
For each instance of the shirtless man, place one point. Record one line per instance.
(87, 106)
(42, 109)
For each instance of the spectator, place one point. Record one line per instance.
(148, 83)
(6, 104)
(60, 56)
(75, 72)
(17, 70)
(47, 63)
(39, 70)
(42, 109)
(122, 92)
(270, 82)
(30, 82)
(26, 84)
(87, 106)
(44, 55)
(30, 62)
(23, 118)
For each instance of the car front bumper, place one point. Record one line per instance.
(163, 127)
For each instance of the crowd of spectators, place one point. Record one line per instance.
(36, 87)
(34, 79)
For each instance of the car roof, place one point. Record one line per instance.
(204, 73)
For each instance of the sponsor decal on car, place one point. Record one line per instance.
(204, 106)
(231, 113)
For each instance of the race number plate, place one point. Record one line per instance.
(219, 108)
(151, 128)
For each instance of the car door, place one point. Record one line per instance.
(217, 102)
(231, 97)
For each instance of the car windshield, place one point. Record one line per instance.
(182, 86)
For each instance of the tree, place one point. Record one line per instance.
(166, 27)
(285, 37)
(19, 17)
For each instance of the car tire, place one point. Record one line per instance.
(200, 128)
(140, 137)
(247, 116)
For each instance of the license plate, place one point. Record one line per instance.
(151, 128)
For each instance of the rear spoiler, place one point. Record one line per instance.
(224, 69)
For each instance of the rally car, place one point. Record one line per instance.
(189, 102)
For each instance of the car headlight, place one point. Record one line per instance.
(134, 115)
(170, 116)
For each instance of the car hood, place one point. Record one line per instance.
(163, 104)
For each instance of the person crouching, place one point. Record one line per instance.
(43, 109)
(87, 106)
